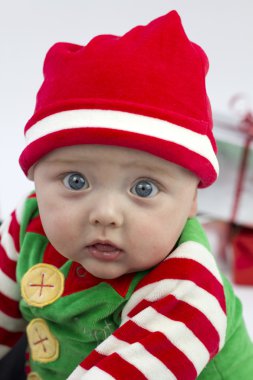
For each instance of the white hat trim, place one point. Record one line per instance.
(124, 121)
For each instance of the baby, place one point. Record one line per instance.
(116, 276)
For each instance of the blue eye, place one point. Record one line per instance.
(144, 189)
(75, 181)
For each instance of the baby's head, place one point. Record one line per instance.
(114, 210)
(120, 139)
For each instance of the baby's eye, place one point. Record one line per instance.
(75, 181)
(145, 189)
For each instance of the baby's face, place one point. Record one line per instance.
(113, 210)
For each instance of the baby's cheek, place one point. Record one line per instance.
(54, 230)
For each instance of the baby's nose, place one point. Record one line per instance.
(106, 212)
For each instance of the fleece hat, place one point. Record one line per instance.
(144, 90)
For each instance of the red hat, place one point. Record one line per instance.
(144, 90)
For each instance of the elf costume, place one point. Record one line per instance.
(178, 320)
(171, 320)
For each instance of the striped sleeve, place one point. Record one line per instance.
(172, 326)
(11, 323)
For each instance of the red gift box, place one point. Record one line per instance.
(242, 262)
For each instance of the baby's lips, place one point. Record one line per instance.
(105, 247)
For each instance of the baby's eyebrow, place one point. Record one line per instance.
(135, 164)
(146, 167)
(161, 170)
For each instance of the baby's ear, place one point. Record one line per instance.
(194, 206)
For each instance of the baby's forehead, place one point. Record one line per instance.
(126, 158)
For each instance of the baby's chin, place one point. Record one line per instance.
(108, 273)
(107, 276)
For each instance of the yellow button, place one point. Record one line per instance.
(42, 284)
(43, 345)
(33, 376)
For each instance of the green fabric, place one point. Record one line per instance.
(80, 322)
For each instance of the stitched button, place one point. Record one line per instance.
(80, 271)
(42, 284)
(33, 376)
(43, 344)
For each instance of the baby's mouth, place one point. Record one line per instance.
(104, 251)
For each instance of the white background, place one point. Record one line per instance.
(29, 27)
